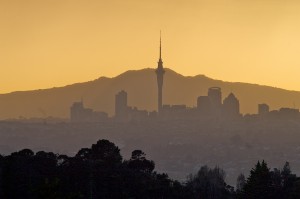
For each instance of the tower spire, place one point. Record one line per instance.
(160, 45)
(160, 78)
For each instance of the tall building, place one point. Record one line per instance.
(215, 97)
(160, 79)
(231, 106)
(76, 111)
(204, 105)
(121, 107)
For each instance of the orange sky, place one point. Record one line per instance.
(47, 43)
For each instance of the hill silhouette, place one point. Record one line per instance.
(142, 92)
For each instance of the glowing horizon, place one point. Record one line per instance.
(45, 44)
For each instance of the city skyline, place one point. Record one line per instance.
(56, 43)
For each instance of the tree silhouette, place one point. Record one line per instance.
(139, 162)
(259, 184)
(241, 181)
(209, 183)
(106, 152)
(276, 184)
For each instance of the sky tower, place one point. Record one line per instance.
(160, 78)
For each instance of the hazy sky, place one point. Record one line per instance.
(47, 43)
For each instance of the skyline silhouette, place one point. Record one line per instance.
(160, 72)
(212, 105)
(141, 86)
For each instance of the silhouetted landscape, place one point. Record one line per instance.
(142, 89)
(180, 139)
(89, 110)
(204, 136)
(198, 124)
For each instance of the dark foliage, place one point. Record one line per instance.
(209, 184)
(100, 172)
(241, 181)
(277, 184)
(96, 172)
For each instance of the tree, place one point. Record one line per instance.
(98, 168)
(84, 154)
(241, 181)
(106, 152)
(209, 184)
(283, 182)
(290, 183)
(275, 184)
(26, 153)
(139, 162)
(17, 174)
(259, 183)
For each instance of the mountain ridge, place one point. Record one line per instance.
(142, 92)
(129, 71)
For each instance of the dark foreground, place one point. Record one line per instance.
(177, 147)
(101, 172)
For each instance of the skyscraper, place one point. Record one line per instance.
(231, 106)
(121, 107)
(160, 78)
(215, 97)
